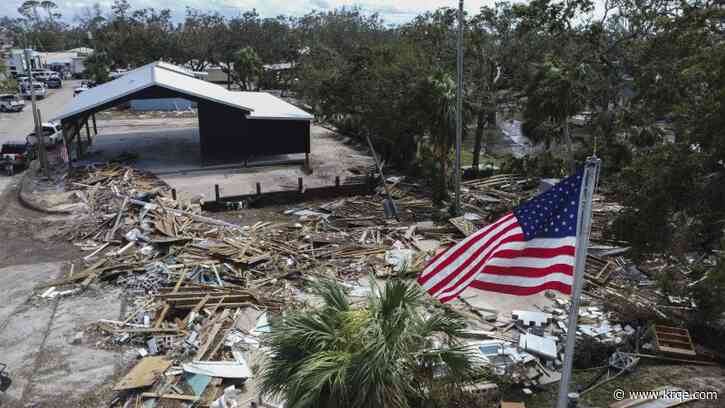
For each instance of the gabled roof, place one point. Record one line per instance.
(257, 105)
(155, 74)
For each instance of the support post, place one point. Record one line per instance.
(259, 188)
(583, 228)
(217, 196)
(307, 162)
(95, 128)
(337, 181)
(88, 133)
(173, 193)
(77, 136)
(66, 144)
(300, 187)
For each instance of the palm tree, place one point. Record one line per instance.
(557, 92)
(442, 106)
(395, 352)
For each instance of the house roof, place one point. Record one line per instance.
(180, 80)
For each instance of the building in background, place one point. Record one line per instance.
(15, 61)
(71, 62)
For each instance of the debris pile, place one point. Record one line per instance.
(201, 290)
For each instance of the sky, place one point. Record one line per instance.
(392, 11)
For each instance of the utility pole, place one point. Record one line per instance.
(42, 154)
(459, 110)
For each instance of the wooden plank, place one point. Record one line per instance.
(219, 322)
(144, 374)
(178, 397)
(167, 307)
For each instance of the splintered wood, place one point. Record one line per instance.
(190, 279)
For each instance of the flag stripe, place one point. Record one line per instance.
(459, 249)
(521, 290)
(529, 262)
(469, 274)
(535, 252)
(529, 272)
(460, 267)
(453, 259)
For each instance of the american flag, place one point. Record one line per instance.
(526, 251)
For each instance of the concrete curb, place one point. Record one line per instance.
(28, 202)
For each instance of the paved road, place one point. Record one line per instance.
(15, 126)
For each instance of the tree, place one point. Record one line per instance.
(394, 352)
(247, 67)
(489, 41)
(557, 92)
(441, 103)
(7, 84)
(49, 8)
(200, 39)
(98, 66)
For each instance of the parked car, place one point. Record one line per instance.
(52, 132)
(13, 156)
(11, 103)
(54, 81)
(43, 75)
(40, 90)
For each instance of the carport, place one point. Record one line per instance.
(233, 126)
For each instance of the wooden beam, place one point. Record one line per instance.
(77, 136)
(170, 396)
(88, 133)
(66, 144)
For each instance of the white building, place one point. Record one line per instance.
(17, 65)
(71, 61)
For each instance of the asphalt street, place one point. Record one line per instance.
(15, 126)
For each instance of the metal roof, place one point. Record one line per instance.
(268, 106)
(178, 79)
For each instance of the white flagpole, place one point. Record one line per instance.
(583, 228)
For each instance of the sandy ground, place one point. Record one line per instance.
(169, 147)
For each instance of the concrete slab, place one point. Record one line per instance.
(169, 148)
(35, 339)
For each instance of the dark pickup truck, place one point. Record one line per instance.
(14, 156)
(4, 378)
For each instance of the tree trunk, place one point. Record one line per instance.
(480, 126)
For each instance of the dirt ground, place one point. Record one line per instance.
(44, 365)
(27, 236)
(646, 377)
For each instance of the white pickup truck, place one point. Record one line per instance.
(53, 134)
(11, 103)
